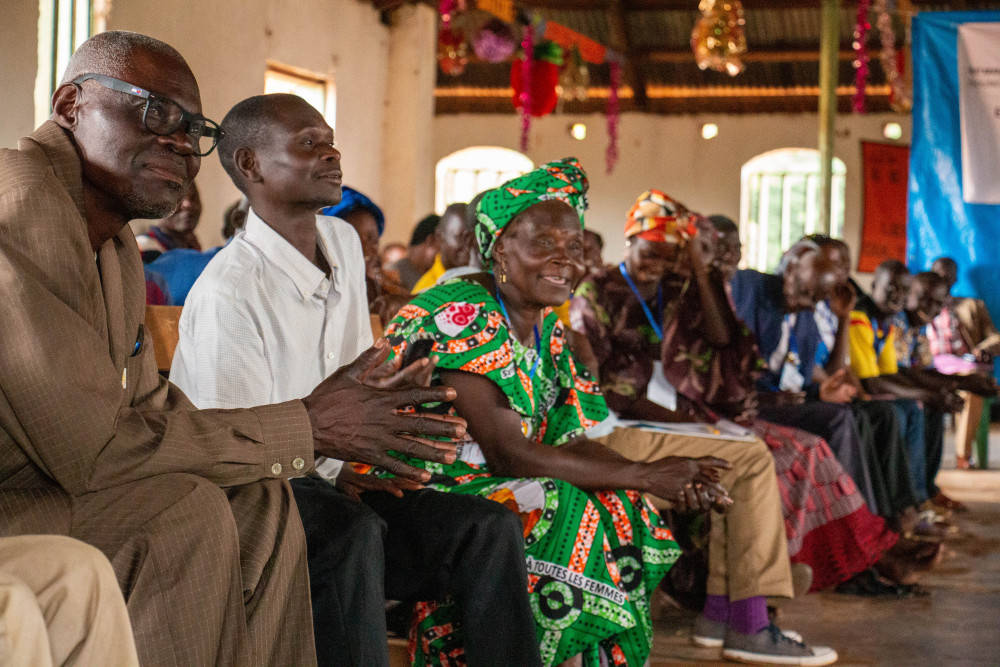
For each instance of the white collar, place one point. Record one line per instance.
(307, 277)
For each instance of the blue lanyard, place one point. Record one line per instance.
(880, 337)
(657, 327)
(538, 338)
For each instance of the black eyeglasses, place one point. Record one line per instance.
(163, 116)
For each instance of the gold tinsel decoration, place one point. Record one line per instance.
(718, 39)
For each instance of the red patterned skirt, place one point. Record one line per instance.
(829, 527)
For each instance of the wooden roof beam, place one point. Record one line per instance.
(666, 5)
(685, 56)
(619, 38)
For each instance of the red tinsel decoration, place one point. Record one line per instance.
(544, 85)
(861, 57)
(615, 75)
(528, 44)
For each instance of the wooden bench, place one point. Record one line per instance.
(161, 327)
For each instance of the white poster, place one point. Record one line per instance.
(979, 108)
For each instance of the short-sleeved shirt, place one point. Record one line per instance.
(556, 400)
(912, 346)
(873, 347)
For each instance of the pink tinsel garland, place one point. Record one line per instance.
(615, 76)
(861, 57)
(900, 99)
(528, 44)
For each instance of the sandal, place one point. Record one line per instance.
(869, 584)
(947, 503)
(931, 528)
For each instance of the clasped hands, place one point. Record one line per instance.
(689, 484)
(357, 414)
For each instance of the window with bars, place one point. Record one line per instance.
(461, 176)
(780, 203)
(63, 25)
(71, 26)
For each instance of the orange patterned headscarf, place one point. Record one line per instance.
(655, 216)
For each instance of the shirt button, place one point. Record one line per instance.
(298, 463)
(330, 355)
(276, 469)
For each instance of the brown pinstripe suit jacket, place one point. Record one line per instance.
(79, 410)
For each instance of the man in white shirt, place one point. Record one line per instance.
(279, 309)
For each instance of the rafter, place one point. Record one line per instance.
(753, 56)
(619, 38)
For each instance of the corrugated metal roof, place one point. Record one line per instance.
(783, 55)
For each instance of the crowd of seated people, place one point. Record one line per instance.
(506, 462)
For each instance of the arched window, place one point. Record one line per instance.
(465, 173)
(779, 203)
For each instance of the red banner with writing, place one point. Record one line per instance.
(883, 224)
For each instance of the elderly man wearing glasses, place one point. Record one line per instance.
(192, 507)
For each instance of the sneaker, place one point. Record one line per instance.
(771, 646)
(712, 634)
(802, 579)
(708, 633)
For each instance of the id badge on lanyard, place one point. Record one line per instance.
(659, 390)
(791, 375)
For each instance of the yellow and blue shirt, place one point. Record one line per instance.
(873, 347)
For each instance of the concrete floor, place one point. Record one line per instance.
(958, 624)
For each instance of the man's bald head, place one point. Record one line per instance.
(115, 53)
(128, 170)
(246, 125)
(947, 268)
(890, 286)
(927, 296)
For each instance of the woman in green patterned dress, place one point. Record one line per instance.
(595, 548)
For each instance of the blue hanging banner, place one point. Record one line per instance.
(941, 221)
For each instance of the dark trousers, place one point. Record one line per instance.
(878, 423)
(911, 421)
(934, 432)
(424, 546)
(834, 423)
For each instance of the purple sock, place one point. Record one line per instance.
(748, 616)
(717, 608)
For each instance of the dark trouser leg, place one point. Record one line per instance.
(835, 424)
(472, 549)
(934, 433)
(911, 419)
(889, 457)
(344, 539)
(871, 435)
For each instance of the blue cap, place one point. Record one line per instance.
(352, 200)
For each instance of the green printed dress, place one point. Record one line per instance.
(593, 558)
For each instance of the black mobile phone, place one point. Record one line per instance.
(417, 349)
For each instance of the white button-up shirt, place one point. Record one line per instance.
(263, 324)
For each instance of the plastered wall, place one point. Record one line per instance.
(668, 153)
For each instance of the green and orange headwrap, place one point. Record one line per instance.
(657, 217)
(563, 179)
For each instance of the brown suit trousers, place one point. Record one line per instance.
(748, 548)
(192, 507)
